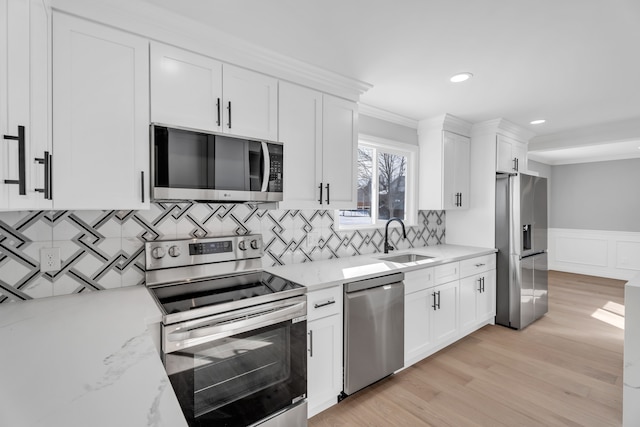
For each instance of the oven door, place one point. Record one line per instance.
(240, 367)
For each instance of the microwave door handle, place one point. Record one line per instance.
(267, 166)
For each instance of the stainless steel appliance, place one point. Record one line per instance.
(187, 164)
(521, 240)
(233, 336)
(373, 330)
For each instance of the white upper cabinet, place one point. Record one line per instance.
(511, 155)
(186, 89)
(198, 92)
(24, 105)
(444, 164)
(319, 133)
(250, 103)
(101, 116)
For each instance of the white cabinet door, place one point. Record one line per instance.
(319, 133)
(186, 89)
(250, 105)
(477, 299)
(456, 171)
(24, 104)
(511, 155)
(339, 148)
(486, 307)
(101, 120)
(444, 317)
(470, 289)
(324, 370)
(417, 337)
(300, 129)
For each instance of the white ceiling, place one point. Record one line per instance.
(575, 63)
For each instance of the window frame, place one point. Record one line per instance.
(411, 180)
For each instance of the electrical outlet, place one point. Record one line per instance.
(49, 259)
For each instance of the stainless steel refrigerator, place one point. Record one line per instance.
(521, 240)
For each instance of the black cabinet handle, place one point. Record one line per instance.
(229, 108)
(434, 306)
(328, 198)
(515, 164)
(480, 284)
(438, 299)
(324, 304)
(311, 343)
(320, 199)
(142, 185)
(46, 161)
(218, 112)
(21, 181)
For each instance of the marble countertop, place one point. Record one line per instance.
(327, 273)
(631, 375)
(84, 360)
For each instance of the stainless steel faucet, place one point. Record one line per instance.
(387, 246)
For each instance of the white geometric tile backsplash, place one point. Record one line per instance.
(105, 249)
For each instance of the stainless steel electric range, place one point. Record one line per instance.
(233, 336)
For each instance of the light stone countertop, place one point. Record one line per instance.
(328, 273)
(84, 360)
(631, 375)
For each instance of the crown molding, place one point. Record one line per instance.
(157, 24)
(445, 122)
(603, 133)
(378, 113)
(504, 127)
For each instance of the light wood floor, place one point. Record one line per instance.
(563, 370)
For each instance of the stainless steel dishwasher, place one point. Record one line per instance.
(373, 330)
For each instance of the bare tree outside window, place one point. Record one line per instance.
(381, 187)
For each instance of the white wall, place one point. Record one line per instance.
(595, 218)
(376, 127)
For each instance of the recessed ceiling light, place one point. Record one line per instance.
(461, 77)
(537, 122)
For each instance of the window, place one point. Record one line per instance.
(386, 184)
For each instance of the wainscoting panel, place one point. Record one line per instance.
(611, 254)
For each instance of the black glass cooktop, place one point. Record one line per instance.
(181, 297)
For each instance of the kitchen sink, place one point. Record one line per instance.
(405, 258)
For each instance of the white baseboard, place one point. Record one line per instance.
(614, 254)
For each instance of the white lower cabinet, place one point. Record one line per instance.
(477, 299)
(324, 348)
(444, 313)
(445, 303)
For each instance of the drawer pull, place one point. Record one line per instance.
(480, 265)
(324, 304)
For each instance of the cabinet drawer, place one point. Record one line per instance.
(324, 302)
(447, 272)
(469, 267)
(418, 280)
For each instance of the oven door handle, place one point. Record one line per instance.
(201, 331)
(267, 167)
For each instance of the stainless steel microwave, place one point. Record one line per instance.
(188, 164)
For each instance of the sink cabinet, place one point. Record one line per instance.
(443, 304)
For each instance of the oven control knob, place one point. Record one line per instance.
(157, 252)
(255, 244)
(174, 251)
(242, 245)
